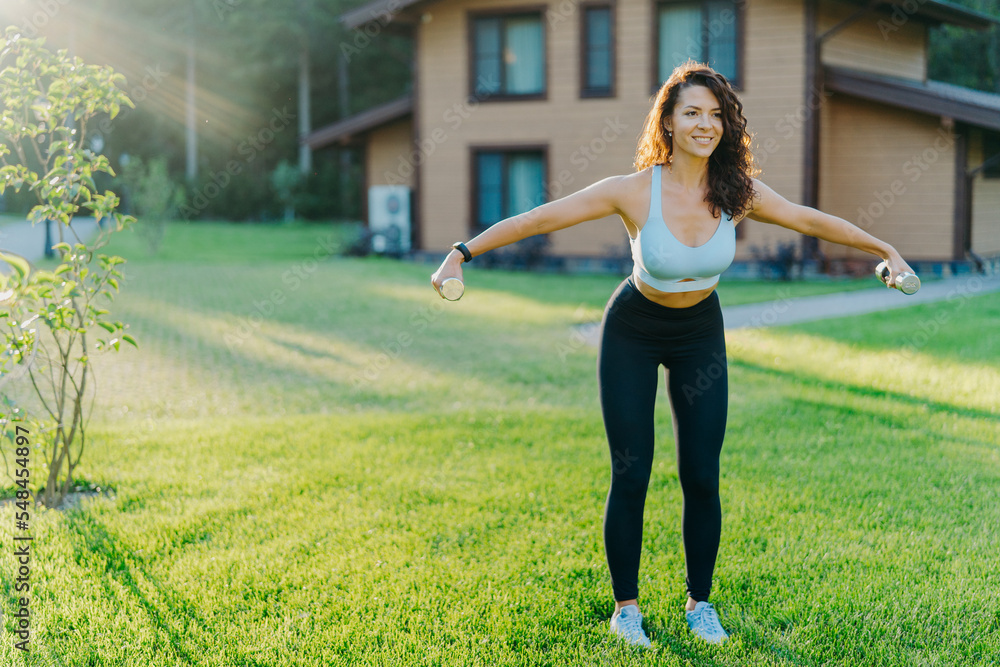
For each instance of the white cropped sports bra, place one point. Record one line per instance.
(665, 263)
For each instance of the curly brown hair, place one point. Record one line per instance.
(731, 167)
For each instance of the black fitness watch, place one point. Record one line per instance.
(462, 249)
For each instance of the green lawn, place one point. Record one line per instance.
(314, 460)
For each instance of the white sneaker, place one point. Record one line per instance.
(704, 622)
(627, 623)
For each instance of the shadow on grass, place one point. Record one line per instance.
(215, 348)
(896, 422)
(89, 537)
(868, 392)
(426, 347)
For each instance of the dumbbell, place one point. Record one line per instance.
(907, 283)
(452, 289)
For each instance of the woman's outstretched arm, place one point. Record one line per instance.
(596, 201)
(771, 207)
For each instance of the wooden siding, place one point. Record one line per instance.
(586, 140)
(891, 172)
(389, 157)
(591, 139)
(985, 204)
(874, 43)
(776, 108)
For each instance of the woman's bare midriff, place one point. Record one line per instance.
(672, 299)
(668, 299)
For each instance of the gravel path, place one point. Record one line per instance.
(824, 306)
(27, 240)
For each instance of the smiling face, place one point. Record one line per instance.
(696, 122)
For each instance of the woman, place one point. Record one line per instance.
(694, 184)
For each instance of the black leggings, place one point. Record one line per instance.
(637, 335)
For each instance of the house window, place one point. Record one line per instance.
(991, 150)
(508, 55)
(705, 31)
(597, 61)
(507, 183)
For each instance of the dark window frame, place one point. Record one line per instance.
(991, 148)
(470, 35)
(585, 91)
(474, 226)
(739, 6)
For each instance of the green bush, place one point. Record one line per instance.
(153, 197)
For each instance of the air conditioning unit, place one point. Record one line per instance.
(389, 218)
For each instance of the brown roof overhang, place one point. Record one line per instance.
(344, 130)
(382, 12)
(974, 107)
(385, 12)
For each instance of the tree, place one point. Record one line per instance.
(251, 58)
(48, 99)
(964, 57)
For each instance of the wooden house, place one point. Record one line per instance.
(517, 102)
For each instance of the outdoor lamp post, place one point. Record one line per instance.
(40, 110)
(48, 238)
